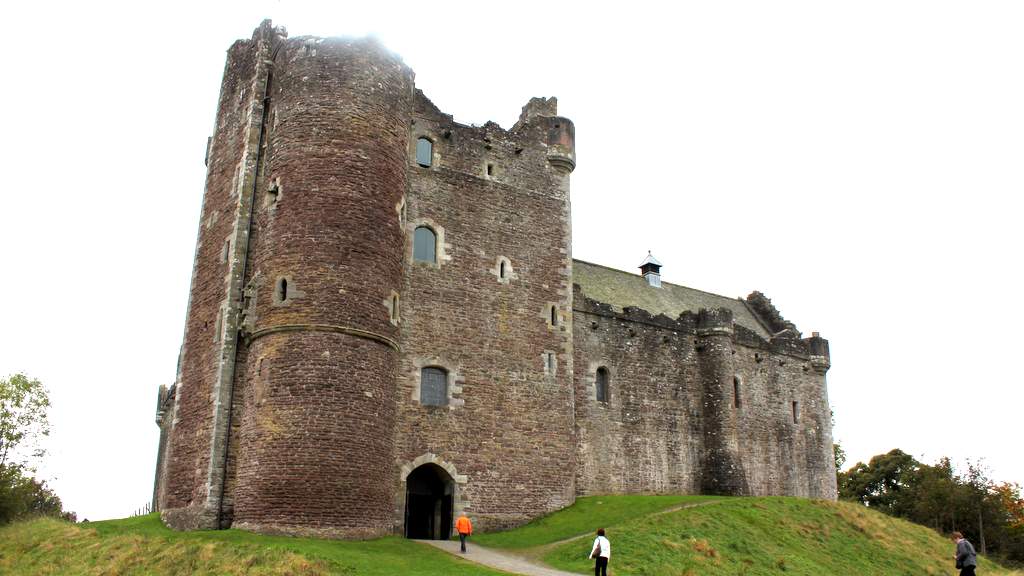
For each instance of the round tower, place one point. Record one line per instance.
(315, 436)
(722, 471)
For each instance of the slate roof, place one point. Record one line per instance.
(622, 289)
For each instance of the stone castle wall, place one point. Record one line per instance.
(663, 430)
(296, 407)
(189, 487)
(507, 430)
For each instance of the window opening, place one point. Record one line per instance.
(736, 391)
(282, 289)
(424, 245)
(434, 387)
(501, 270)
(272, 193)
(394, 308)
(796, 412)
(554, 316)
(549, 359)
(602, 384)
(490, 169)
(424, 152)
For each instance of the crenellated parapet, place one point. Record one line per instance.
(708, 321)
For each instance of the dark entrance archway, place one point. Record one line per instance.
(429, 493)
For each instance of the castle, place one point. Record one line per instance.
(386, 326)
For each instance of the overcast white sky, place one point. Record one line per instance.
(858, 162)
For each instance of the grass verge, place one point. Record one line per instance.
(584, 517)
(762, 536)
(143, 545)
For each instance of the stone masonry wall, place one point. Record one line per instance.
(185, 496)
(652, 434)
(316, 395)
(507, 430)
(297, 408)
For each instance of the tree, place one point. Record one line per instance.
(23, 426)
(840, 456)
(23, 423)
(886, 482)
(990, 515)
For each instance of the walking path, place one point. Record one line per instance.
(497, 560)
(523, 563)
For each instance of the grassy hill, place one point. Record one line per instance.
(144, 546)
(651, 535)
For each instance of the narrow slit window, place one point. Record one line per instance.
(549, 363)
(796, 412)
(501, 270)
(490, 169)
(554, 316)
(736, 391)
(282, 290)
(424, 152)
(394, 308)
(434, 387)
(424, 247)
(601, 383)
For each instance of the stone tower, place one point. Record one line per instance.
(306, 168)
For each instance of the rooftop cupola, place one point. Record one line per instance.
(651, 270)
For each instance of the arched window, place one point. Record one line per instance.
(434, 386)
(424, 152)
(601, 383)
(424, 245)
(736, 391)
(502, 273)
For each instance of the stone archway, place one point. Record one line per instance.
(431, 468)
(429, 503)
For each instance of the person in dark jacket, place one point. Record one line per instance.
(966, 559)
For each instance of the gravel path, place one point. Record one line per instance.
(523, 563)
(497, 560)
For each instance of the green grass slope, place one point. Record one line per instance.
(761, 536)
(651, 535)
(585, 516)
(143, 545)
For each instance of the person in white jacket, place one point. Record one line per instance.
(601, 553)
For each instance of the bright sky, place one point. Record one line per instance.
(858, 162)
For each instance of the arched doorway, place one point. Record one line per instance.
(429, 492)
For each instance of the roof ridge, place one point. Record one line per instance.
(663, 283)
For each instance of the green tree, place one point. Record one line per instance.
(886, 482)
(23, 426)
(840, 456)
(23, 422)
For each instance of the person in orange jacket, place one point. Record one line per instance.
(464, 527)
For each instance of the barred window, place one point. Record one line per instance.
(424, 245)
(434, 387)
(602, 384)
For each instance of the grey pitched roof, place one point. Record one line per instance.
(621, 289)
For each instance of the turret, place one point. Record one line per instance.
(722, 471)
(315, 451)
